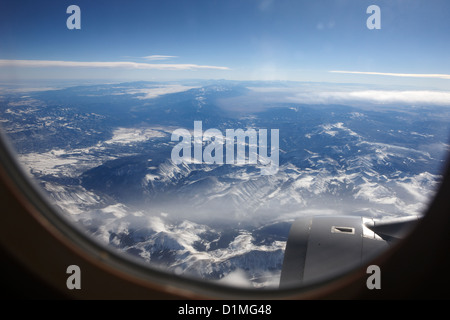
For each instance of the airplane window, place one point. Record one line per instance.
(201, 137)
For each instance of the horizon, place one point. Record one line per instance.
(259, 94)
(233, 40)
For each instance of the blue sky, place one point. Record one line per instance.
(227, 39)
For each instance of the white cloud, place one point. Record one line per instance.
(406, 75)
(149, 93)
(159, 57)
(114, 64)
(349, 96)
(385, 97)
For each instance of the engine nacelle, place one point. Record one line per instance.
(322, 247)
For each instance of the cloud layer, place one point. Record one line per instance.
(114, 64)
(349, 96)
(421, 97)
(405, 75)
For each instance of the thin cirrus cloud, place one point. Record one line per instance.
(114, 64)
(405, 75)
(156, 57)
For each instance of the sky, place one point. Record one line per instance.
(320, 40)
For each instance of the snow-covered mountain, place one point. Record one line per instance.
(102, 153)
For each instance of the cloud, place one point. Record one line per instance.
(328, 95)
(90, 64)
(420, 97)
(159, 57)
(150, 93)
(406, 75)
